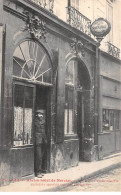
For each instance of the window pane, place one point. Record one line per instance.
(18, 126)
(19, 96)
(70, 73)
(31, 62)
(28, 115)
(66, 122)
(27, 126)
(18, 114)
(105, 119)
(116, 119)
(68, 127)
(17, 66)
(111, 119)
(28, 97)
(71, 121)
(23, 107)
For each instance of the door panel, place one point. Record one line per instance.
(80, 123)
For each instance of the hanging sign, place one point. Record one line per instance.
(100, 27)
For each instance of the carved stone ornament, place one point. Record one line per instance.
(77, 47)
(35, 26)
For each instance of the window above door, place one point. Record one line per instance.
(31, 62)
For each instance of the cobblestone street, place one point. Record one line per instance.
(109, 181)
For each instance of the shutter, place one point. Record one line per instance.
(60, 98)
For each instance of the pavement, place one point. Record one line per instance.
(52, 182)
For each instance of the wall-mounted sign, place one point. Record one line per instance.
(100, 28)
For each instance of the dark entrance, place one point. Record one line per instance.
(42, 103)
(83, 107)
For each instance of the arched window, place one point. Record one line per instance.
(31, 62)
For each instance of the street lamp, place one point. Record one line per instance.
(99, 29)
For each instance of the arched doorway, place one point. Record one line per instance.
(83, 107)
(77, 102)
(32, 78)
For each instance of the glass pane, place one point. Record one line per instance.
(111, 119)
(27, 125)
(47, 76)
(17, 66)
(24, 47)
(28, 115)
(19, 55)
(28, 97)
(25, 72)
(116, 119)
(68, 111)
(30, 61)
(105, 119)
(19, 96)
(18, 126)
(70, 73)
(33, 50)
(18, 114)
(66, 122)
(23, 109)
(70, 98)
(71, 121)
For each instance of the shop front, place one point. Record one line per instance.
(32, 79)
(109, 136)
(53, 74)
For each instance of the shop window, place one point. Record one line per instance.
(30, 62)
(23, 109)
(69, 97)
(111, 119)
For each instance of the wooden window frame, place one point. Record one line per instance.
(24, 84)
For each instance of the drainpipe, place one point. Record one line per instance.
(1, 62)
(69, 11)
(69, 3)
(97, 103)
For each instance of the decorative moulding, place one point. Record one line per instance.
(77, 47)
(35, 26)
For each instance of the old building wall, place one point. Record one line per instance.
(110, 79)
(63, 151)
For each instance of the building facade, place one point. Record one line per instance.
(50, 61)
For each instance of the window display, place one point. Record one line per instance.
(111, 119)
(23, 108)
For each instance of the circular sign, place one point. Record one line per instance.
(100, 27)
